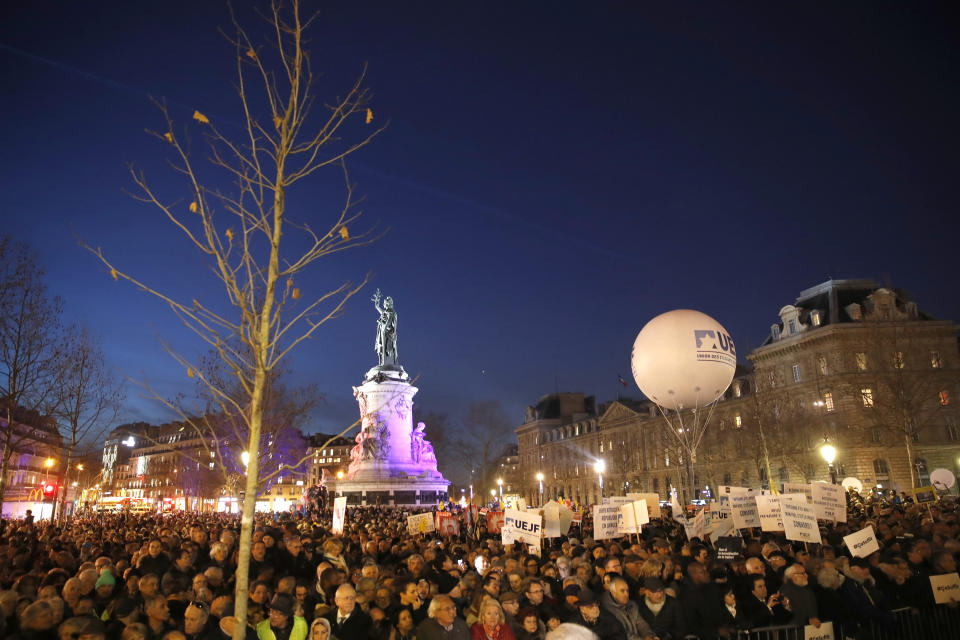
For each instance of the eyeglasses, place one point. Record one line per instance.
(199, 604)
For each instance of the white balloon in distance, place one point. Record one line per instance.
(683, 359)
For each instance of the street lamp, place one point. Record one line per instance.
(500, 486)
(829, 454)
(600, 466)
(540, 480)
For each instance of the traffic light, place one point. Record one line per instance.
(49, 491)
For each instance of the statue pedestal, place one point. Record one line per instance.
(392, 463)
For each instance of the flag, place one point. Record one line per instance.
(622, 381)
(678, 514)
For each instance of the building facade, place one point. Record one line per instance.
(328, 454)
(850, 364)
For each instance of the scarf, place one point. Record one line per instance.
(654, 607)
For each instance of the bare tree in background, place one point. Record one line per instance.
(31, 355)
(488, 432)
(88, 400)
(252, 245)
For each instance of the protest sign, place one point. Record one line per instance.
(339, 514)
(925, 494)
(556, 520)
(743, 509)
(862, 543)
(448, 524)
(605, 521)
(768, 510)
(653, 503)
(796, 487)
(829, 501)
(699, 525)
(720, 528)
(678, 514)
(823, 632)
(420, 523)
(946, 588)
(728, 548)
(521, 525)
(799, 520)
(716, 512)
(494, 521)
(632, 515)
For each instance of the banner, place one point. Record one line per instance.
(339, 514)
(494, 522)
(605, 521)
(768, 510)
(829, 501)
(823, 632)
(653, 503)
(862, 543)
(678, 514)
(946, 588)
(448, 524)
(799, 520)
(420, 523)
(699, 525)
(521, 525)
(743, 509)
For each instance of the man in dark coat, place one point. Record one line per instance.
(591, 616)
(348, 621)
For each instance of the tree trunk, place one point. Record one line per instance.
(5, 463)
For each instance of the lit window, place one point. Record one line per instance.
(793, 326)
(815, 318)
(828, 400)
(822, 365)
(861, 361)
(738, 421)
(935, 360)
(944, 398)
(796, 373)
(898, 360)
(866, 396)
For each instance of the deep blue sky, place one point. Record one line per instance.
(554, 175)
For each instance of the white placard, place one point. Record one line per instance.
(339, 514)
(678, 514)
(653, 503)
(743, 509)
(862, 543)
(420, 523)
(699, 525)
(946, 588)
(556, 520)
(829, 501)
(799, 520)
(521, 525)
(823, 632)
(627, 520)
(768, 510)
(605, 518)
(796, 487)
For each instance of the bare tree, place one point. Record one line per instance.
(254, 248)
(88, 400)
(896, 389)
(488, 431)
(31, 355)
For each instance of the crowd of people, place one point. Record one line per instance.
(172, 577)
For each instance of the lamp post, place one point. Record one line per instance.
(500, 486)
(829, 454)
(540, 480)
(600, 467)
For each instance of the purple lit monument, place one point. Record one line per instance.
(392, 462)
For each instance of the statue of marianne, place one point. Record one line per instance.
(386, 343)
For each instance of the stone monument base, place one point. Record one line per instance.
(408, 492)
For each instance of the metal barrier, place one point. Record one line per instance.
(939, 623)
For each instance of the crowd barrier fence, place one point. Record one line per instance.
(938, 623)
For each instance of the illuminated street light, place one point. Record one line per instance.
(80, 467)
(339, 475)
(600, 466)
(493, 493)
(829, 454)
(49, 463)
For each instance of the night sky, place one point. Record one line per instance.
(553, 176)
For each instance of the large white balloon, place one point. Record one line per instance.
(683, 359)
